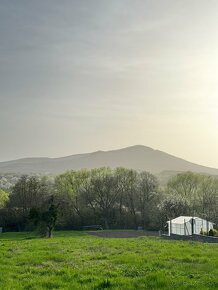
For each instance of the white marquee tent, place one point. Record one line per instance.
(187, 225)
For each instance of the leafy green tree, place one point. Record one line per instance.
(199, 191)
(131, 195)
(28, 192)
(122, 215)
(207, 203)
(148, 198)
(102, 193)
(172, 206)
(70, 186)
(185, 184)
(45, 218)
(3, 198)
(49, 217)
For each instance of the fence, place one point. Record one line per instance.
(196, 238)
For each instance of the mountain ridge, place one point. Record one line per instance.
(138, 157)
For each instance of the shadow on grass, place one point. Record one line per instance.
(18, 236)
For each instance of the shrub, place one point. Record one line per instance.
(215, 233)
(211, 233)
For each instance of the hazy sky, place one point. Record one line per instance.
(83, 75)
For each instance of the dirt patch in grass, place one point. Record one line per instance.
(122, 234)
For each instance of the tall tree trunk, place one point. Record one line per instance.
(49, 232)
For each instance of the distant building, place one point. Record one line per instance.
(187, 226)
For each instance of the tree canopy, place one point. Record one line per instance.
(113, 198)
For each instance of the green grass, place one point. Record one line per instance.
(75, 260)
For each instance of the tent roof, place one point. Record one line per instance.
(182, 219)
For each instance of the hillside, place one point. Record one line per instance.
(136, 157)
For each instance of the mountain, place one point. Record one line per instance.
(136, 157)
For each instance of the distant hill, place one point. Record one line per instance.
(136, 157)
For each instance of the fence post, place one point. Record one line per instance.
(192, 226)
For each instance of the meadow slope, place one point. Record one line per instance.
(76, 260)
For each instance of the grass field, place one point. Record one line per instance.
(76, 260)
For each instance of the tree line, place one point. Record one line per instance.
(114, 198)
